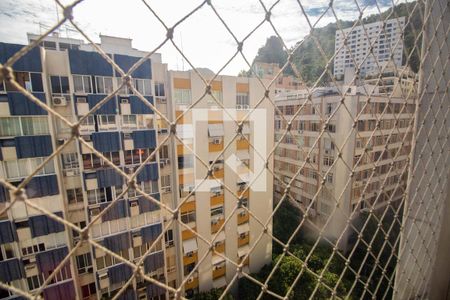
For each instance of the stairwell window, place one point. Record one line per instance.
(143, 86)
(182, 96)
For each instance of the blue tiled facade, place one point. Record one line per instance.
(95, 185)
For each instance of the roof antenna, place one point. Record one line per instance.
(182, 51)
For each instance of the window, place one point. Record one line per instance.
(10, 126)
(32, 82)
(124, 90)
(217, 211)
(74, 195)
(328, 160)
(182, 96)
(330, 178)
(165, 182)
(81, 225)
(331, 128)
(136, 156)
(217, 98)
(188, 217)
(168, 236)
(159, 89)
(129, 121)
(24, 167)
(84, 263)
(106, 120)
(104, 85)
(70, 161)
(59, 84)
(91, 161)
(35, 282)
(34, 125)
(164, 152)
(82, 84)
(98, 196)
(242, 101)
(88, 290)
(143, 86)
(113, 157)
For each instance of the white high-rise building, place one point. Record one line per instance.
(384, 37)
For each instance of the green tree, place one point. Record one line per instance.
(272, 52)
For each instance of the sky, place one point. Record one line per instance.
(202, 37)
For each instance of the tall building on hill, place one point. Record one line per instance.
(71, 77)
(385, 38)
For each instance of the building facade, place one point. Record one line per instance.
(72, 78)
(209, 141)
(367, 45)
(325, 162)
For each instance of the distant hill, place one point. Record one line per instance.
(310, 62)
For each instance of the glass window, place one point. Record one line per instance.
(59, 84)
(70, 161)
(104, 85)
(34, 125)
(182, 96)
(143, 86)
(10, 126)
(159, 90)
(82, 84)
(242, 101)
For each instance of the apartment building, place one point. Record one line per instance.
(71, 77)
(368, 45)
(325, 162)
(394, 80)
(209, 141)
(283, 83)
(77, 185)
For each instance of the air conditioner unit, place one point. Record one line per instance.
(127, 136)
(214, 221)
(124, 101)
(61, 141)
(162, 164)
(243, 213)
(190, 280)
(163, 130)
(134, 204)
(81, 100)
(87, 138)
(59, 101)
(327, 151)
(162, 100)
(70, 173)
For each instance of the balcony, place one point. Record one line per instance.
(217, 200)
(216, 224)
(244, 241)
(242, 144)
(243, 217)
(187, 260)
(215, 147)
(187, 234)
(219, 272)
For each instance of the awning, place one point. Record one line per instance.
(216, 259)
(245, 128)
(220, 237)
(215, 130)
(243, 250)
(218, 283)
(243, 228)
(244, 178)
(185, 131)
(243, 154)
(215, 185)
(190, 246)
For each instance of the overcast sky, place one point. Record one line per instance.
(203, 38)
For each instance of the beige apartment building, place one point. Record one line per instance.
(323, 175)
(209, 141)
(71, 77)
